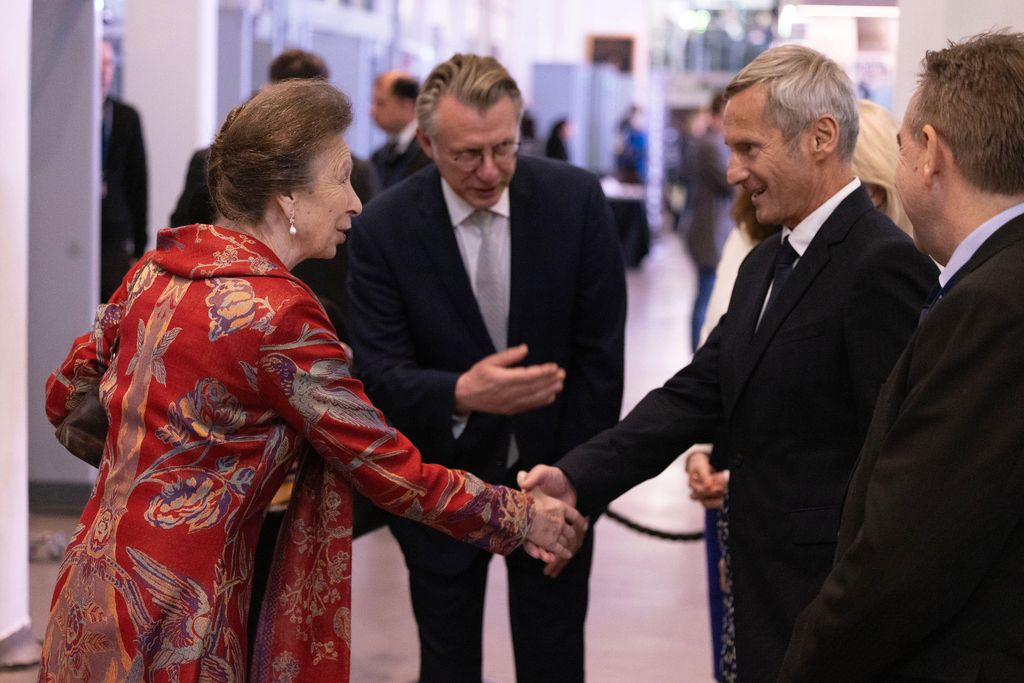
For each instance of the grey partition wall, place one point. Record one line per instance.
(563, 91)
(234, 59)
(593, 97)
(610, 96)
(350, 60)
(64, 209)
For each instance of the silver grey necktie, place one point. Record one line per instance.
(492, 295)
(491, 287)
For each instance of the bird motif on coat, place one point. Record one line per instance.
(319, 395)
(181, 632)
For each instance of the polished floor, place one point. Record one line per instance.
(648, 611)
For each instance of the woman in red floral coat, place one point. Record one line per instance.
(217, 369)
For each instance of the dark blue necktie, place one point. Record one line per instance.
(935, 296)
(785, 257)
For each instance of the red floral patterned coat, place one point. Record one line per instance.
(217, 368)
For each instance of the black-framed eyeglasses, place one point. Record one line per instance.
(468, 160)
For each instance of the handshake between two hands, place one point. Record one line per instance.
(558, 529)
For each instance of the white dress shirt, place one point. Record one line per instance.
(800, 237)
(469, 237)
(404, 137)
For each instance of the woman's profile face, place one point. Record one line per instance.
(324, 210)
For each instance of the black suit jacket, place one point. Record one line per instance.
(194, 204)
(787, 406)
(929, 569)
(125, 202)
(416, 326)
(394, 168)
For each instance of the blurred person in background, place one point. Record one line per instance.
(393, 109)
(875, 160)
(124, 191)
(712, 198)
(556, 145)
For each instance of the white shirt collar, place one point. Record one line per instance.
(966, 249)
(405, 136)
(459, 209)
(800, 237)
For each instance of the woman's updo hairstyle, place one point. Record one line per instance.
(267, 145)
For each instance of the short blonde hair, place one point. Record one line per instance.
(875, 158)
(473, 80)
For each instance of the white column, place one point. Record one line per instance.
(170, 76)
(929, 24)
(15, 51)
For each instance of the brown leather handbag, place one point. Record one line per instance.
(84, 431)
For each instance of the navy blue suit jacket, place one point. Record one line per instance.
(415, 324)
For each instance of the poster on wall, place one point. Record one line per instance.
(614, 50)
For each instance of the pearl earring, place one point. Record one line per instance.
(291, 226)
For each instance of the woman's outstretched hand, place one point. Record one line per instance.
(557, 530)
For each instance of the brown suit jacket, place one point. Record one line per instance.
(927, 583)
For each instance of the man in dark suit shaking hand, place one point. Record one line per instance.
(927, 580)
(488, 302)
(785, 385)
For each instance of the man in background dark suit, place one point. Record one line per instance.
(125, 186)
(393, 109)
(927, 579)
(488, 303)
(785, 384)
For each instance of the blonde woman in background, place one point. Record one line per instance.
(874, 162)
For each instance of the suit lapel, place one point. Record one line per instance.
(806, 271)
(437, 239)
(527, 248)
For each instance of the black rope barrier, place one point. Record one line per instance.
(687, 536)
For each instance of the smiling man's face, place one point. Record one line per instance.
(778, 175)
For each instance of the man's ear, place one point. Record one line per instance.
(824, 136)
(425, 143)
(937, 154)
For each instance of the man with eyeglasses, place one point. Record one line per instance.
(488, 303)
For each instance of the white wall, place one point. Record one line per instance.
(170, 72)
(929, 24)
(15, 52)
(541, 31)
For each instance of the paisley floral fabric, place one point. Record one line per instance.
(217, 370)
